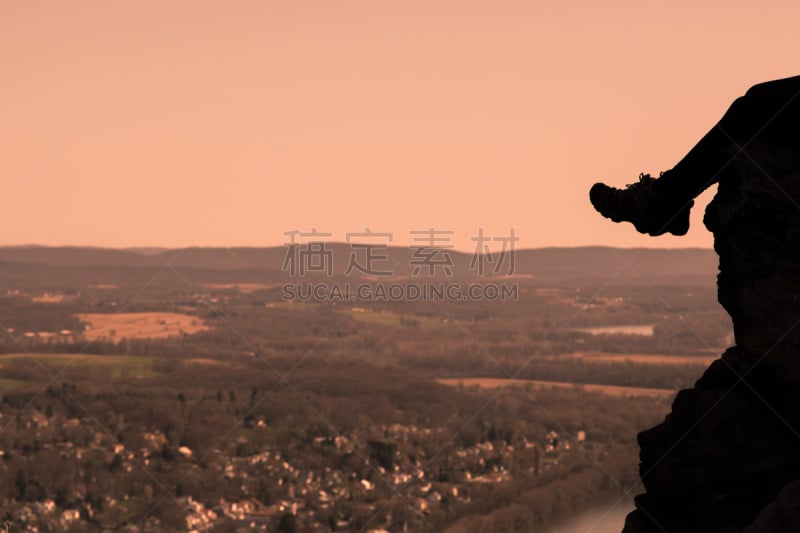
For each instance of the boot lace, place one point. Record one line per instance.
(645, 180)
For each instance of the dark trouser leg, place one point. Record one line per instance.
(769, 112)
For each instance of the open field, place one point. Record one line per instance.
(640, 329)
(116, 365)
(140, 325)
(48, 298)
(244, 288)
(605, 357)
(107, 286)
(390, 318)
(292, 305)
(611, 390)
(10, 385)
(206, 361)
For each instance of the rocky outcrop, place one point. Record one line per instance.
(727, 457)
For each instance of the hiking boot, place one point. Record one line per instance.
(639, 204)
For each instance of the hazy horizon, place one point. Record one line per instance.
(338, 243)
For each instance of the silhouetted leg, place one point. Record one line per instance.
(769, 112)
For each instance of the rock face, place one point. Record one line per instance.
(727, 458)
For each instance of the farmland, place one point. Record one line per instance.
(139, 325)
(612, 390)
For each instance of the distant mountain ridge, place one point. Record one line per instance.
(546, 264)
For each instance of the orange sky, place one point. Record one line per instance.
(166, 123)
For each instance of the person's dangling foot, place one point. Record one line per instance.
(649, 210)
